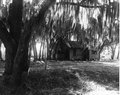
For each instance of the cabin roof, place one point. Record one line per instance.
(73, 44)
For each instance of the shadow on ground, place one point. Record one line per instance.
(65, 78)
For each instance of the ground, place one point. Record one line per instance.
(68, 78)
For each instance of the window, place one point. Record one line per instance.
(94, 52)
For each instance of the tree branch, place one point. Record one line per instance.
(15, 19)
(44, 7)
(5, 36)
(82, 5)
(36, 20)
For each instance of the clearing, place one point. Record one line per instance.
(68, 78)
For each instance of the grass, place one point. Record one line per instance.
(50, 82)
(53, 82)
(67, 78)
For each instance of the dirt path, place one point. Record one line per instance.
(110, 63)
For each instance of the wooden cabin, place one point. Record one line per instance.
(73, 50)
(90, 54)
(68, 50)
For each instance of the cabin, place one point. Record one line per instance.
(73, 50)
(68, 50)
(90, 54)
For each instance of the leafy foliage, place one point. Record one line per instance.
(80, 20)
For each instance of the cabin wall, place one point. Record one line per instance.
(94, 55)
(75, 54)
(71, 54)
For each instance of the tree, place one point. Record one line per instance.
(15, 34)
(0, 51)
(86, 19)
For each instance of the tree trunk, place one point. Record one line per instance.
(47, 49)
(10, 54)
(17, 41)
(0, 52)
(113, 51)
(35, 52)
(40, 52)
(9, 44)
(116, 52)
(19, 67)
